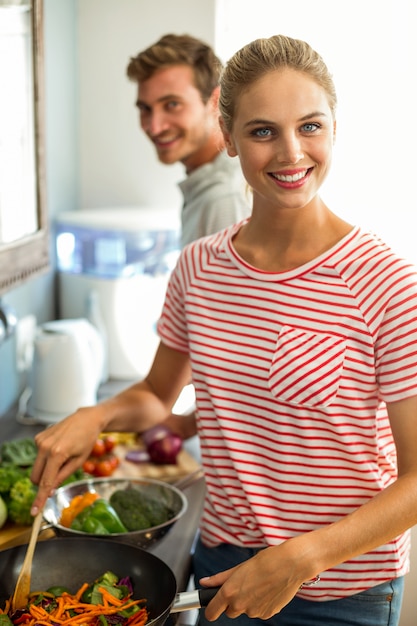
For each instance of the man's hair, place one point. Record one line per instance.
(179, 50)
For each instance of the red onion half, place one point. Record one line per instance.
(162, 447)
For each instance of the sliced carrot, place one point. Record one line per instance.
(81, 591)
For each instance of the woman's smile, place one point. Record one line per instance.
(290, 179)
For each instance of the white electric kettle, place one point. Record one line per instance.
(67, 368)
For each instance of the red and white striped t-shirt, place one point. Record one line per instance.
(291, 372)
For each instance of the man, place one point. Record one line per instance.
(178, 90)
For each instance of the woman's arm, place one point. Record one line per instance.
(63, 447)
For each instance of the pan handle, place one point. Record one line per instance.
(196, 599)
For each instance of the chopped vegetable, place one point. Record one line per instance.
(20, 501)
(106, 601)
(77, 504)
(21, 452)
(99, 518)
(139, 511)
(138, 456)
(57, 591)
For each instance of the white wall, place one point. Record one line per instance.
(118, 164)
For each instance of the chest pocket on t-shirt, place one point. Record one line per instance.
(306, 367)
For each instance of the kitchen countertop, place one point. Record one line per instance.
(176, 547)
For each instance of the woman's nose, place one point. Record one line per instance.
(290, 150)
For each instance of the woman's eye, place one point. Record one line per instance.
(262, 132)
(310, 127)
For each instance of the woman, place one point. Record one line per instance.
(300, 333)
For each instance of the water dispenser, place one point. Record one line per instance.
(113, 268)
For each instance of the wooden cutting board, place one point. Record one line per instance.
(13, 535)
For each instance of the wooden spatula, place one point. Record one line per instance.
(22, 589)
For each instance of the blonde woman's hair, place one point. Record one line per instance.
(265, 55)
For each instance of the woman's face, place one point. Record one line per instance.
(283, 133)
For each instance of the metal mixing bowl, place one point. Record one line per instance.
(164, 492)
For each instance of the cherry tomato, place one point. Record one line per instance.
(89, 466)
(99, 448)
(113, 460)
(103, 468)
(109, 442)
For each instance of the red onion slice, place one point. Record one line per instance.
(138, 456)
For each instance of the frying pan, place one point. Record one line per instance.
(69, 562)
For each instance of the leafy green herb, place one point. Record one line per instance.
(21, 452)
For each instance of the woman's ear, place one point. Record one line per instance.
(228, 140)
(334, 131)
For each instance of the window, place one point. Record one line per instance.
(17, 156)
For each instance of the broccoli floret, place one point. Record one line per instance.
(20, 501)
(138, 511)
(9, 474)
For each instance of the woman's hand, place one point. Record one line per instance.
(63, 448)
(261, 586)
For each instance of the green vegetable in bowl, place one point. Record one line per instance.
(99, 518)
(138, 511)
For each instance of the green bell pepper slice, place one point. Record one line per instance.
(99, 518)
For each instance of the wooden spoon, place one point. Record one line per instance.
(22, 589)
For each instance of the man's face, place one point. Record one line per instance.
(174, 117)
